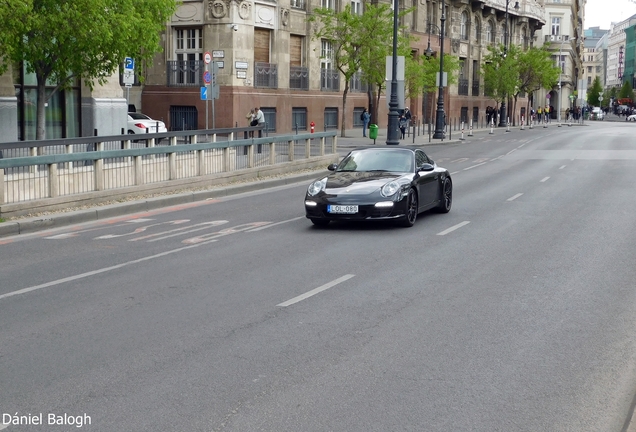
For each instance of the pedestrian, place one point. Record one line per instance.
(259, 118)
(403, 122)
(407, 116)
(540, 114)
(366, 119)
(250, 118)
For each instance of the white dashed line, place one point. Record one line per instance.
(315, 291)
(562, 166)
(475, 166)
(453, 228)
(514, 197)
(544, 179)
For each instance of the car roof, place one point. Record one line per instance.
(382, 149)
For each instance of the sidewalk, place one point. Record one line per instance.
(354, 137)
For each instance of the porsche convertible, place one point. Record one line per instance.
(380, 184)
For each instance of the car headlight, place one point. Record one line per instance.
(316, 187)
(390, 189)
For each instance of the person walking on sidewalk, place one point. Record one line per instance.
(403, 122)
(366, 118)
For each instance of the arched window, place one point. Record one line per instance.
(490, 32)
(477, 32)
(463, 28)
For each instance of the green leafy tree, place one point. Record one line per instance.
(61, 41)
(536, 70)
(421, 74)
(360, 43)
(594, 92)
(501, 72)
(626, 91)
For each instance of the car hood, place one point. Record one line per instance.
(358, 182)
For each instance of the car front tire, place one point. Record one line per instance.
(446, 200)
(411, 209)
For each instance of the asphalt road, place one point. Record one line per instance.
(514, 312)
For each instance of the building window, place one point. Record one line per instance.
(490, 32)
(556, 26)
(589, 81)
(327, 4)
(299, 119)
(478, 32)
(463, 27)
(589, 69)
(188, 54)
(356, 7)
(331, 118)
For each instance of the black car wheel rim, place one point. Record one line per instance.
(412, 211)
(448, 193)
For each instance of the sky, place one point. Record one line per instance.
(601, 13)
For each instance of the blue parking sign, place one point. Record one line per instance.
(204, 93)
(129, 63)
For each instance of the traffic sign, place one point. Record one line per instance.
(547, 96)
(207, 77)
(204, 93)
(129, 63)
(207, 57)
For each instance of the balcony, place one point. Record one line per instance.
(298, 78)
(185, 73)
(329, 80)
(557, 38)
(266, 75)
(356, 85)
(462, 88)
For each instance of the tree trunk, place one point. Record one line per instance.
(40, 133)
(343, 117)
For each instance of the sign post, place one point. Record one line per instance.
(129, 77)
(207, 58)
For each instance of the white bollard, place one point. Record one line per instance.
(507, 124)
(462, 136)
(492, 126)
(522, 122)
(470, 129)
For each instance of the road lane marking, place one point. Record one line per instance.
(453, 228)
(142, 229)
(459, 160)
(511, 151)
(514, 197)
(315, 291)
(179, 231)
(475, 166)
(562, 166)
(497, 158)
(456, 172)
(99, 271)
(3, 426)
(544, 179)
(277, 223)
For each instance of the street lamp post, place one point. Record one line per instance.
(439, 116)
(428, 53)
(503, 122)
(392, 137)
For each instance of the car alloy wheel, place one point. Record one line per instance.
(411, 209)
(447, 196)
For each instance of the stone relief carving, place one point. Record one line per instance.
(284, 17)
(244, 9)
(217, 8)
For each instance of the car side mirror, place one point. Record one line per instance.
(426, 167)
(332, 167)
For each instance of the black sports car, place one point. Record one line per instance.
(380, 183)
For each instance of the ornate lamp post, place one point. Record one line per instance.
(440, 116)
(392, 137)
(428, 53)
(561, 67)
(503, 117)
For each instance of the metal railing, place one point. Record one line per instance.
(185, 73)
(462, 88)
(298, 78)
(475, 88)
(329, 80)
(42, 170)
(266, 75)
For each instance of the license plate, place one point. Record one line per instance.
(342, 209)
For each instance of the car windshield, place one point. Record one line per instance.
(138, 116)
(377, 160)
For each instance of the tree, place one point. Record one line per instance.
(595, 91)
(421, 74)
(61, 41)
(501, 72)
(360, 43)
(536, 70)
(626, 91)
